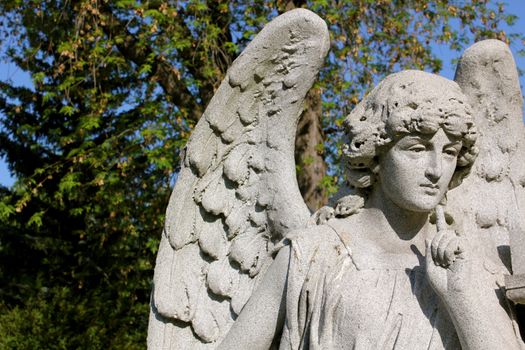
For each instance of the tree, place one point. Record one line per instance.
(95, 141)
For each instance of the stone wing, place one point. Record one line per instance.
(492, 199)
(236, 194)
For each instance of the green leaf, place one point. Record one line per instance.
(145, 69)
(89, 122)
(36, 219)
(69, 182)
(6, 210)
(68, 110)
(39, 77)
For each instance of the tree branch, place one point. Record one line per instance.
(167, 75)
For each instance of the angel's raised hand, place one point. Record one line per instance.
(448, 265)
(445, 248)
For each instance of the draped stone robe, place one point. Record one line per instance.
(340, 297)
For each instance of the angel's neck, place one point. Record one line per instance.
(390, 217)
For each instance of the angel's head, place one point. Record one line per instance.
(421, 121)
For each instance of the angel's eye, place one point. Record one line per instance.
(417, 148)
(451, 151)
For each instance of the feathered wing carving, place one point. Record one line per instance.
(492, 198)
(236, 194)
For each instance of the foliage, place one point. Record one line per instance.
(94, 140)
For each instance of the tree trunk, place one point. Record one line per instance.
(311, 166)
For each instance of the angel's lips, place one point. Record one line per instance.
(430, 188)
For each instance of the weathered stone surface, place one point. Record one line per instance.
(392, 264)
(493, 199)
(237, 194)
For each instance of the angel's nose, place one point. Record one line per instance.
(434, 169)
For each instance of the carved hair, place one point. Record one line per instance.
(403, 103)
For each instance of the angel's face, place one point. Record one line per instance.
(416, 171)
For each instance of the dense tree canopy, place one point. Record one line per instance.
(94, 142)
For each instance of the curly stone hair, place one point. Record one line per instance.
(403, 103)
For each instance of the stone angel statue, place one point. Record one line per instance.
(408, 256)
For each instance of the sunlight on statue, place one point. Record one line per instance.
(389, 264)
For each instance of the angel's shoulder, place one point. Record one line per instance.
(312, 234)
(315, 239)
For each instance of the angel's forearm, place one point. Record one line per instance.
(481, 322)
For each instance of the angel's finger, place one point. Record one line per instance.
(435, 244)
(441, 222)
(451, 251)
(442, 248)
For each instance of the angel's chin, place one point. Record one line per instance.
(422, 204)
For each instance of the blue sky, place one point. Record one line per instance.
(517, 7)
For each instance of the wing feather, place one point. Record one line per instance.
(221, 278)
(238, 220)
(222, 122)
(216, 198)
(184, 225)
(203, 151)
(212, 239)
(249, 112)
(210, 317)
(180, 289)
(236, 165)
(249, 250)
(242, 292)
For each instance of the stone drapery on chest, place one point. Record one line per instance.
(339, 297)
